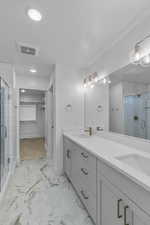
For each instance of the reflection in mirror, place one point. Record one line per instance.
(130, 101)
(97, 107)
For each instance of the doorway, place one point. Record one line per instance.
(32, 124)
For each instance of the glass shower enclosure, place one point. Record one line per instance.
(137, 115)
(4, 135)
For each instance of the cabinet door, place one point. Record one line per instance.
(67, 158)
(111, 207)
(139, 219)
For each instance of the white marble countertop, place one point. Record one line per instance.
(107, 151)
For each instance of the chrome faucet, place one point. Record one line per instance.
(89, 130)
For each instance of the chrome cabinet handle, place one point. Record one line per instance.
(83, 194)
(125, 215)
(4, 131)
(84, 155)
(68, 154)
(84, 171)
(118, 209)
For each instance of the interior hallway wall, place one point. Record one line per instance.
(69, 107)
(50, 116)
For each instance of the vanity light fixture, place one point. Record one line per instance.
(141, 52)
(146, 60)
(34, 15)
(23, 90)
(93, 79)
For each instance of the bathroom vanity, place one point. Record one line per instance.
(111, 179)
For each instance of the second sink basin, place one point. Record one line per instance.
(137, 162)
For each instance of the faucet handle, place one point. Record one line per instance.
(89, 130)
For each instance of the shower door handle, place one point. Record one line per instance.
(4, 131)
(143, 124)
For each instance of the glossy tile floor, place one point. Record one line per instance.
(32, 148)
(36, 196)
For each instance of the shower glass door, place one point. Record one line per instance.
(4, 138)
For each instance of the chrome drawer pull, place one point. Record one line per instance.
(118, 209)
(125, 215)
(84, 155)
(84, 171)
(83, 194)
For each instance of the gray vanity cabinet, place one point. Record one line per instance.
(109, 196)
(83, 177)
(80, 168)
(115, 207)
(111, 213)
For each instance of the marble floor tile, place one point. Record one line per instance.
(36, 196)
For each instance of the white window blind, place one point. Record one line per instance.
(28, 112)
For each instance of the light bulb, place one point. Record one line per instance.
(85, 85)
(96, 79)
(23, 90)
(137, 56)
(34, 14)
(146, 59)
(104, 81)
(92, 86)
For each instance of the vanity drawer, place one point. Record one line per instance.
(89, 201)
(88, 179)
(87, 162)
(86, 170)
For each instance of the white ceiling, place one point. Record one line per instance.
(71, 32)
(42, 69)
(132, 73)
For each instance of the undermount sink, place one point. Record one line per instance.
(137, 162)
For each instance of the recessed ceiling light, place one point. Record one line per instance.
(33, 70)
(23, 90)
(34, 14)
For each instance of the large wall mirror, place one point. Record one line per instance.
(122, 106)
(130, 101)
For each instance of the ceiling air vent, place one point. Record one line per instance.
(28, 50)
